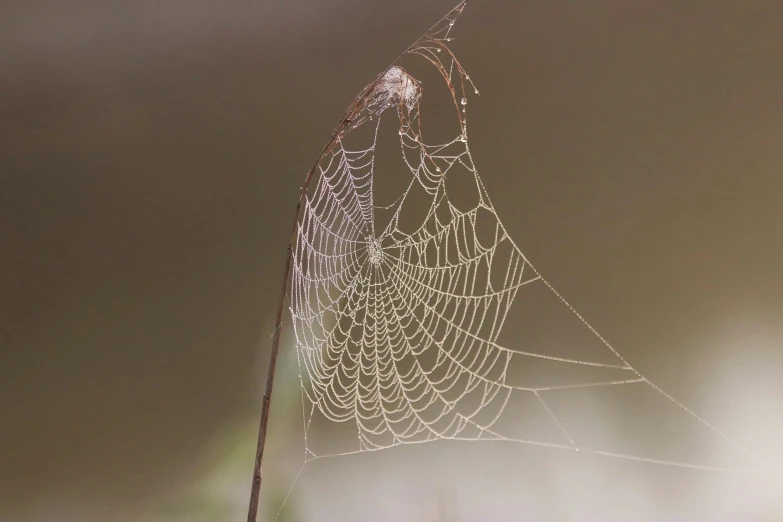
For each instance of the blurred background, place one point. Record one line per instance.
(151, 154)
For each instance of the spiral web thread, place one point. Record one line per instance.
(397, 332)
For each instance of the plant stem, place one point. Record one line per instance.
(252, 512)
(355, 107)
(354, 110)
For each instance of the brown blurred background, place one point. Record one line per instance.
(150, 156)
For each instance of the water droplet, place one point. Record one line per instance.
(401, 131)
(437, 169)
(464, 101)
(451, 23)
(475, 90)
(438, 49)
(467, 77)
(463, 138)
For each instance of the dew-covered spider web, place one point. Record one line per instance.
(416, 315)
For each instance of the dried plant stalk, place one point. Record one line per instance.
(363, 106)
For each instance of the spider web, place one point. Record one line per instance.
(399, 313)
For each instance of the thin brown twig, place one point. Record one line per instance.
(354, 110)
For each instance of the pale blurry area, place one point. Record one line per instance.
(150, 157)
